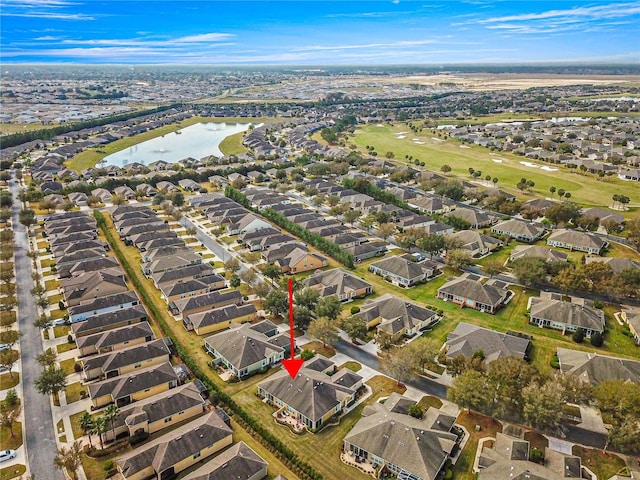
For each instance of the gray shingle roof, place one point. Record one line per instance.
(467, 339)
(220, 315)
(396, 313)
(103, 320)
(137, 381)
(578, 313)
(104, 302)
(474, 290)
(116, 336)
(595, 368)
(126, 356)
(336, 282)
(239, 462)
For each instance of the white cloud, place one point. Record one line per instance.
(613, 10)
(49, 15)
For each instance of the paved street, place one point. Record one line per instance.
(40, 439)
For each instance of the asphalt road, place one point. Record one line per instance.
(40, 441)
(423, 384)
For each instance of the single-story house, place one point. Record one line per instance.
(520, 230)
(547, 254)
(237, 462)
(580, 241)
(106, 304)
(92, 285)
(595, 369)
(468, 291)
(114, 339)
(476, 218)
(632, 317)
(478, 244)
(366, 250)
(338, 282)
(404, 270)
(109, 320)
(396, 316)
(551, 311)
(219, 318)
(190, 305)
(468, 339)
(248, 348)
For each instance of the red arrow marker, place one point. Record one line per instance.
(292, 365)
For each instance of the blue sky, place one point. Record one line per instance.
(317, 32)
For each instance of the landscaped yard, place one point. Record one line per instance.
(52, 285)
(67, 365)
(7, 380)
(604, 465)
(61, 330)
(7, 473)
(353, 366)
(429, 401)
(488, 428)
(328, 440)
(65, 347)
(72, 392)
(8, 443)
(324, 350)
(47, 262)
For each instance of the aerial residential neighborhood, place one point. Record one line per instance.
(330, 240)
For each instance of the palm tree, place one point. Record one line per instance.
(87, 424)
(99, 427)
(111, 413)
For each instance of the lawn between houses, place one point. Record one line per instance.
(509, 317)
(585, 189)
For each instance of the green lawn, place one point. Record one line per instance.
(353, 366)
(232, 145)
(604, 465)
(72, 392)
(328, 440)
(48, 262)
(488, 428)
(67, 365)
(65, 347)
(52, 285)
(7, 473)
(8, 443)
(429, 401)
(9, 380)
(584, 189)
(61, 330)
(510, 317)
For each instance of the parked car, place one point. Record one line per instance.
(7, 455)
(4, 346)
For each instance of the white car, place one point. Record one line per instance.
(7, 455)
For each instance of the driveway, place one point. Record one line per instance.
(40, 441)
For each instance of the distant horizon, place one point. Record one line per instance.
(319, 33)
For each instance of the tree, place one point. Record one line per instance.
(177, 199)
(8, 417)
(87, 425)
(47, 358)
(561, 192)
(542, 405)
(302, 317)
(276, 302)
(507, 377)
(415, 411)
(399, 363)
(99, 427)
(307, 297)
(529, 271)
(552, 190)
(368, 221)
(11, 398)
(567, 195)
(385, 230)
(495, 180)
(232, 265)
(27, 217)
(235, 281)
(355, 328)
(493, 267)
(51, 381)
(69, 459)
(9, 337)
(273, 272)
(596, 339)
(578, 335)
(261, 289)
(111, 414)
(324, 330)
(351, 216)
(424, 351)
(329, 307)
(431, 243)
(458, 259)
(8, 359)
(249, 276)
(445, 168)
(469, 391)
(385, 341)
(118, 200)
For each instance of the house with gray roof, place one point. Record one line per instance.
(580, 241)
(312, 398)
(338, 282)
(190, 305)
(89, 265)
(92, 285)
(109, 320)
(595, 369)
(478, 244)
(365, 250)
(519, 229)
(549, 310)
(468, 291)
(216, 319)
(172, 259)
(106, 304)
(197, 271)
(410, 448)
(120, 362)
(158, 412)
(509, 458)
(617, 264)
(176, 451)
(547, 254)
(477, 218)
(246, 349)
(237, 462)
(114, 339)
(468, 339)
(396, 316)
(404, 270)
(632, 318)
(133, 386)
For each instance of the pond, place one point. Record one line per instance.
(195, 141)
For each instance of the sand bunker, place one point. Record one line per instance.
(465, 146)
(400, 137)
(497, 160)
(418, 142)
(529, 164)
(437, 139)
(549, 169)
